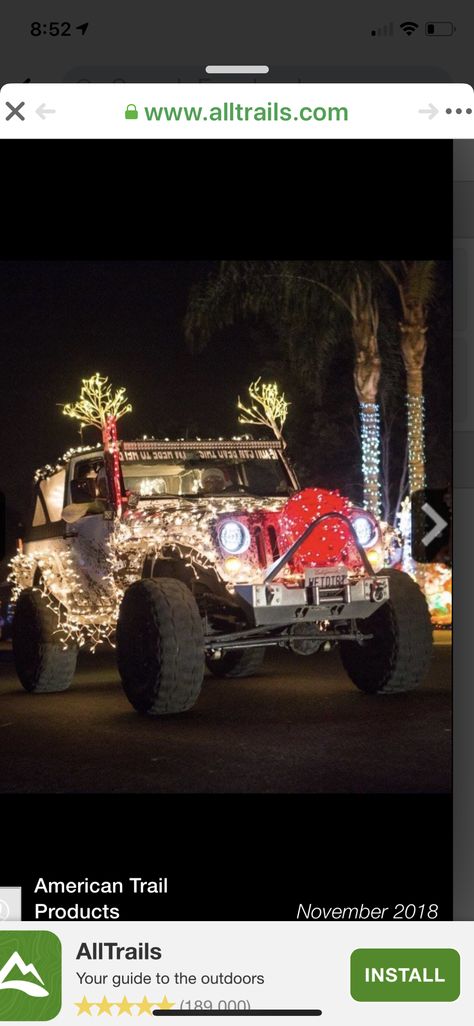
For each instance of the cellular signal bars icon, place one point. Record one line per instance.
(407, 27)
(384, 30)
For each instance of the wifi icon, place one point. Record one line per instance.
(409, 27)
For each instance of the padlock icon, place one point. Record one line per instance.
(131, 112)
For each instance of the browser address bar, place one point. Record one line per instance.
(237, 110)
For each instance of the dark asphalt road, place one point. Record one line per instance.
(299, 727)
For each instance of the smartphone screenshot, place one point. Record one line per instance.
(235, 484)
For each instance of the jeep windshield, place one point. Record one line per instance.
(195, 474)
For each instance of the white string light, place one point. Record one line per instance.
(416, 442)
(44, 472)
(84, 585)
(370, 438)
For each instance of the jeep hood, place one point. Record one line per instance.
(273, 525)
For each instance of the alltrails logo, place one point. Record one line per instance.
(30, 975)
(8, 982)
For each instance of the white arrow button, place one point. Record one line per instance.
(439, 524)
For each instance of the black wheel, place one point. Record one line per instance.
(243, 662)
(42, 662)
(160, 646)
(397, 657)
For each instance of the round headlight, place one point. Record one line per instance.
(234, 537)
(365, 530)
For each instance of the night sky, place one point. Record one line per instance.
(62, 321)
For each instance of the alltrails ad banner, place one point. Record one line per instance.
(235, 970)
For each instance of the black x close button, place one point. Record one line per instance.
(15, 111)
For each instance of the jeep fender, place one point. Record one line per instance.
(178, 568)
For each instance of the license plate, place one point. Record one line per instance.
(326, 577)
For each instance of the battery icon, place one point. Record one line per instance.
(440, 28)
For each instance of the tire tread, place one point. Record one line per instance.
(54, 665)
(173, 616)
(409, 655)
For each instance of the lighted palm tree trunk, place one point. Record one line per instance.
(367, 367)
(413, 345)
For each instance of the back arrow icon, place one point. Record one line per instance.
(439, 524)
(43, 110)
(431, 111)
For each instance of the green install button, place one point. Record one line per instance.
(405, 974)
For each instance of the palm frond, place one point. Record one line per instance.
(309, 305)
(415, 281)
(235, 291)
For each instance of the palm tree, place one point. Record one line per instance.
(291, 292)
(367, 368)
(415, 282)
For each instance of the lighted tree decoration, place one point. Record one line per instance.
(268, 408)
(98, 406)
(97, 403)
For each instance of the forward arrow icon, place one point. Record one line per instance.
(431, 111)
(439, 524)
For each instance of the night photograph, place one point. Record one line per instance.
(227, 555)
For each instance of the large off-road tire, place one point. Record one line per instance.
(244, 662)
(160, 646)
(42, 662)
(398, 656)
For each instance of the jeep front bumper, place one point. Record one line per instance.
(274, 605)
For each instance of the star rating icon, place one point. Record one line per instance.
(123, 1007)
(84, 1006)
(145, 1007)
(105, 1007)
(165, 1005)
